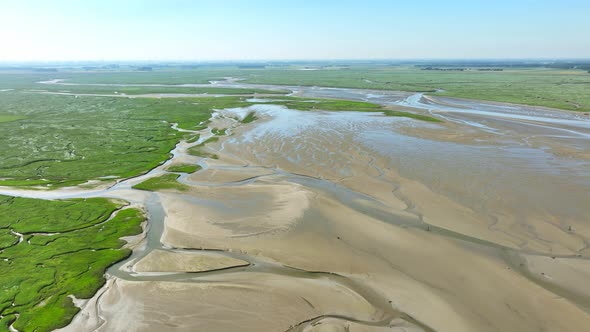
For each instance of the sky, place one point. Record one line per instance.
(204, 30)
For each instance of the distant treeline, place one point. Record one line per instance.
(462, 69)
(444, 69)
(251, 66)
(112, 66)
(498, 65)
(144, 68)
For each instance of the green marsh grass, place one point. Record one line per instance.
(67, 246)
(167, 181)
(184, 168)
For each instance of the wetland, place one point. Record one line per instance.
(287, 207)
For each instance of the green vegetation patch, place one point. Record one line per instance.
(198, 150)
(167, 181)
(65, 249)
(550, 87)
(212, 139)
(250, 117)
(11, 118)
(411, 115)
(193, 139)
(22, 218)
(67, 141)
(140, 90)
(7, 238)
(219, 132)
(184, 168)
(306, 104)
(558, 88)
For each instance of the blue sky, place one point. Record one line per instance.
(258, 29)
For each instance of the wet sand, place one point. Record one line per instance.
(327, 221)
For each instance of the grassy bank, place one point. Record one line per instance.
(66, 246)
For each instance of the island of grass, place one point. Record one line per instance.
(219, 132)
(198, 151)
(51, 250)
(308, 104)
(249, 117)
(166, 181)
(193, 139)
(183, 168)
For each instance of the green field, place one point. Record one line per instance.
(139, 90)
(68, 141)
(326, 104)
(166, 181)
(559, 88)
(565, 89)
(66, 247)
(11, 118)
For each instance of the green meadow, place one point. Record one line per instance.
(67, 141)
(551, 87)
(139, 90)
(557, 88)
(65, 248)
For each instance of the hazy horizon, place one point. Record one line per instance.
(208, 31)
(294, 61)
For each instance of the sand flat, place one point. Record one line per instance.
(170, 261)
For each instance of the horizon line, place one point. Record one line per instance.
(289, 60)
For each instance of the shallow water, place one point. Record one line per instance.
(492, 179)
